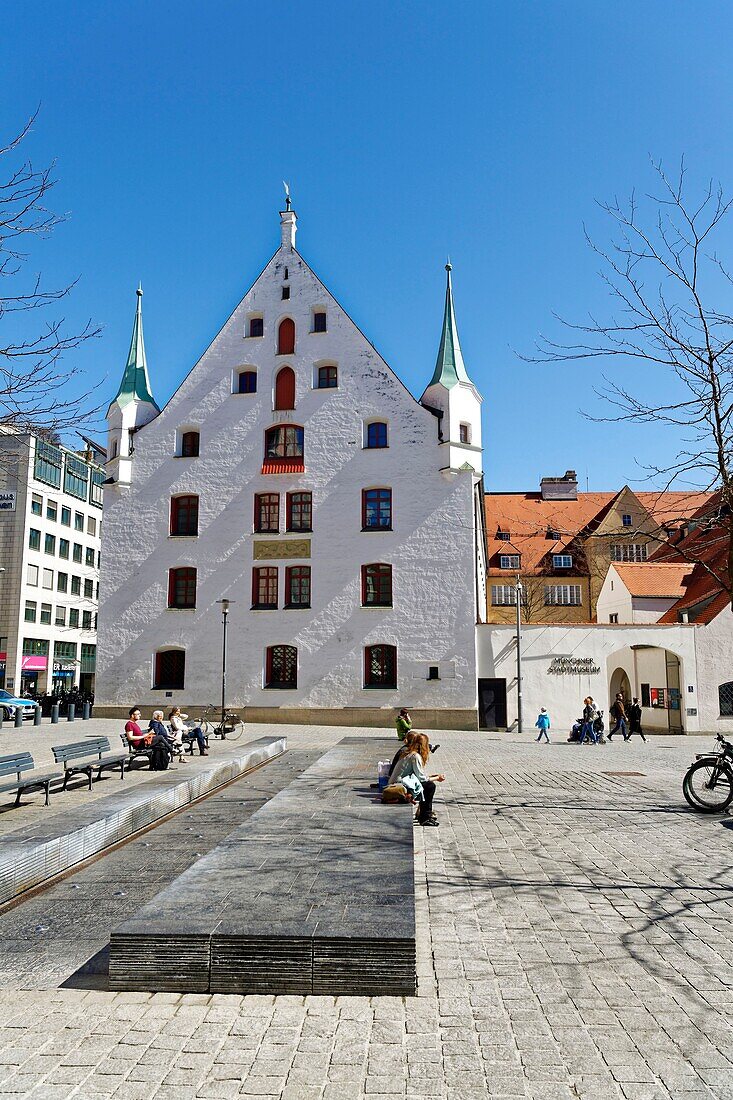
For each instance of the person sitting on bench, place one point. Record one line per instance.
(156, 727)
(135, 735)
(182, 732)
(409, 770)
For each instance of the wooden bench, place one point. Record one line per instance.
(20, 762)
(75, 758)
(133, 751)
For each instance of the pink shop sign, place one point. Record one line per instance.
(34, 664)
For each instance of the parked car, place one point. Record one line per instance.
(9, 703)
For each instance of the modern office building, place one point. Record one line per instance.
(50, 528)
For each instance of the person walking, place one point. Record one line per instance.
(543, 724)
(635, 720)
(589, 717)
(618, 713)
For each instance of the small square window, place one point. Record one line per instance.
(503, 536)
(626, 519)
(327, 378)
(256, 326)
(247, 381)
(286, 293)
(319, 322)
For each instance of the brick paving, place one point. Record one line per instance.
(575, 939)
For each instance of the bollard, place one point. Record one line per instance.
(19, 718)
(37, 715)
(72, 712)
(2, 712)
(55, 714)
(85, 711)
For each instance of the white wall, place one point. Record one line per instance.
(563, 695)
(431, 547)
(715, 663)
(614, 599)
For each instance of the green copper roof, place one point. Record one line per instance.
(135, 384)
(450, 368)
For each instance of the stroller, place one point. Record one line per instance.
(599, 728)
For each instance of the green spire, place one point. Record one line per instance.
(450, 368)
(135, 384)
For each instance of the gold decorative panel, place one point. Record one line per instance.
(281, 548)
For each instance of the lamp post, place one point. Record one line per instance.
(224, 613)
(518, 590)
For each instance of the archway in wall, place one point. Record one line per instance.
(653, 675)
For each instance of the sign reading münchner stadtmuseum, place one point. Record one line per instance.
(7, 502)
(573, 666)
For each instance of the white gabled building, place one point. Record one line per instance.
(293, 474)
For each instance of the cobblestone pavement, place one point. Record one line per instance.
(575, 941)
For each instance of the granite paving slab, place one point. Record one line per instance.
(31, 855)
(315, 892)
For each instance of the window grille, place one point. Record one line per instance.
(380, 666)
(725, 697)
(281, 667)
(169, 669)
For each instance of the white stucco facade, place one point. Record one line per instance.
(433, 546)
(687, 661)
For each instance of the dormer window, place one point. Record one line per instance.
(552, 533)
(319, 321)
(562, 561)
(509, 561)
(503, 536)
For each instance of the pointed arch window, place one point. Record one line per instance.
(285, 388)
(286, 336)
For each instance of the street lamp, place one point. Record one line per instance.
(518, 590)
(224, 613)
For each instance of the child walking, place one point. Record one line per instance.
(543, 724)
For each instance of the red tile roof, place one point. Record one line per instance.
(655, 580)
(527, 518)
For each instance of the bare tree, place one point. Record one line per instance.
(664, 277)
(36, 387)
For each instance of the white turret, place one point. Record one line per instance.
(452, 396)
(133, 406)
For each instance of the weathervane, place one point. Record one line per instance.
(287, 195)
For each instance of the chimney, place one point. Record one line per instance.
(560, 488)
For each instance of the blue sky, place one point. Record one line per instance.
(406, 130)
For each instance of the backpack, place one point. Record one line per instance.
(159, 757)
(598, 724)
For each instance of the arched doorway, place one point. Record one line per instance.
(653, 675)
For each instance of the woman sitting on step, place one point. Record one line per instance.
(409, 771)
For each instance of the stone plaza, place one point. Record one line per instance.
(574, 939)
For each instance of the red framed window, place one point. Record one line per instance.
(281, 667)
(285, 388)
(169, 669)
(264, 587)
(185, 515)
(182, 587)
(267, 512)
(256, 326)
(286, 337)
(298, 586)
(376, 585)
(247, 381)
(300, 512)
(328, 378)
(376, 434)
(284, 441)
(380, 666)
(190, 444)
(376, 509)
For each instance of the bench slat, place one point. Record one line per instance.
(20, 762)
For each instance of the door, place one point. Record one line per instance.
(492, 704)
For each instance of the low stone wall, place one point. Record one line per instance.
(463, 719)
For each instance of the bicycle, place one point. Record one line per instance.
(708, 783)
(211, 724)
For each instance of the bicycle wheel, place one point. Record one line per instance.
(207, 728)
(236, 732)
(708, 786)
